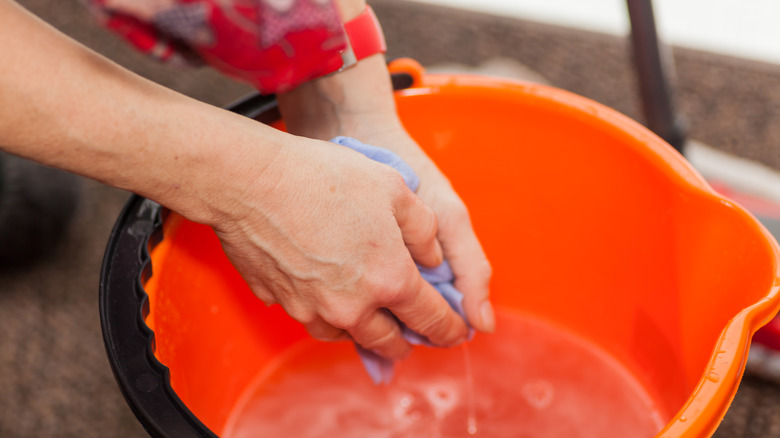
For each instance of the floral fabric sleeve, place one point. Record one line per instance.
(273, 44)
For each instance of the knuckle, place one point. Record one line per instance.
(450, 201)
(392, 180)
(484, 270)
(266, 297)
(399, 289)
(433, 326)
(384, 285)
(456, 205)
(301, 314)
(263, 293)
(406, 198)
(342, 317)
(391, 296)
(458, 212)
(379, 342)
(325, 333)
(396, 179)
(454, 219)
(429, 225)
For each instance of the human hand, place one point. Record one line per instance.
(358, 102)
(332, 237)
(459, 243)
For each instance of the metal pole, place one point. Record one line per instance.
(654, 72)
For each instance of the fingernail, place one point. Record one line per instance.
(487, 317)
(457, 342)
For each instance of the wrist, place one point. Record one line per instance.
(342, 103)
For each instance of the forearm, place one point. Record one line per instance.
(68, 107)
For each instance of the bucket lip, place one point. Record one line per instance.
(129, 342)
(659, 151)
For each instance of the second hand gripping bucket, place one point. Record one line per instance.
(592, 223)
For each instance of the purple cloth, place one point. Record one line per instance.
(441, 277)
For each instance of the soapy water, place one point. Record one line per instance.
(529, 379)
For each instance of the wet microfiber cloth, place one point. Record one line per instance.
(441, 277)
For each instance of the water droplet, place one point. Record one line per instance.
(472, 426)
(442, 398)
(683, 418)
(405, 408)
(539, 393)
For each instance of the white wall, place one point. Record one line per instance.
(744, 28)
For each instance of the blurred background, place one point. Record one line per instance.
(54, 376)
(745, 29)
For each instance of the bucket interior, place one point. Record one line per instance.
(592, 225)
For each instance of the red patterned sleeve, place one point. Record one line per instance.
(273, 44)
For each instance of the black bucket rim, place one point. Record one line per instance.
(129, 342)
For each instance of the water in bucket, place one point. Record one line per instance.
(529, 376)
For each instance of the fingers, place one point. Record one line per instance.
(380, 333)
(426, 312)
(472, 271)
(419, 227)
(472, 278)
(321, 330)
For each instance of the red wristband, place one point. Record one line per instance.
(364, 38)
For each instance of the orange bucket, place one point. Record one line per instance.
(593, 225)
